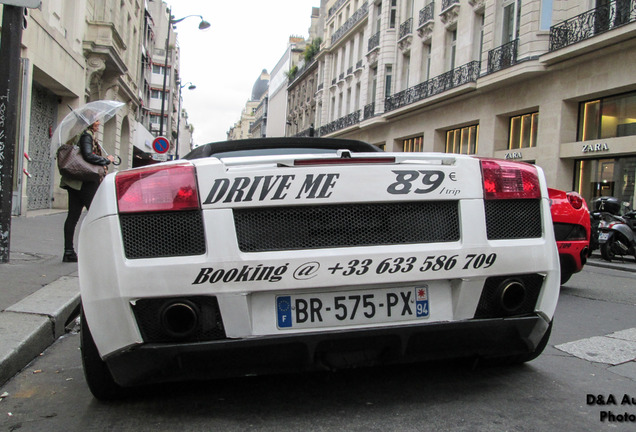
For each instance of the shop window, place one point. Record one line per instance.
(463, 140)
(412, 144)
(609, 117)
(606, 177)
(523, 131)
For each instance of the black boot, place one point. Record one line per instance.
(69, 256)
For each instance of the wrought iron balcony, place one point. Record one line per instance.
(341, 123)
(369, 110)
(406, 28)
(448, 3)
(374, 41)
(334, 8)
(502, 57)
(459, 76)
(426, 14)
(351, 22)
(359, 65)
(592, 23)
(349, 70)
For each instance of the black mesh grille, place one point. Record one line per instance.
(513, 219)
(490, 305)
(569, 232)
(153, 235)
(331, 226)
(209, 325)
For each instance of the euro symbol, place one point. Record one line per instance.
(452, 176)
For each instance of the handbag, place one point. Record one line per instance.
(71, 164)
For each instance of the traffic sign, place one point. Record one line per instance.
(161, 145)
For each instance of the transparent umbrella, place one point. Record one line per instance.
(79, 119)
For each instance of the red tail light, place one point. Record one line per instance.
(157, 188)
(575, 200)
(509, 180)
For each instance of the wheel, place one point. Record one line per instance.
(606, 250)
(521, 358)
(99, 379)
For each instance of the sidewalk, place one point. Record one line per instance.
(39, 293)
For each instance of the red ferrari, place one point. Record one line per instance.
(571, 219)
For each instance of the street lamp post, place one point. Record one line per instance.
(190, 87)
(202, 26)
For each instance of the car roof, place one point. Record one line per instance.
(211, 149)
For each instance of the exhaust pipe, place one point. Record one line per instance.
(179, 319)
(513, 294)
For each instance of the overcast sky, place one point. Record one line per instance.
(225, 60)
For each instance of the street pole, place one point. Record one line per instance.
(165, 69)
(12, 18)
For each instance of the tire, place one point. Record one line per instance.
(565, 276)
(98, 377)
(606, 250)
(521, 358)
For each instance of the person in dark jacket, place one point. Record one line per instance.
(80, 194)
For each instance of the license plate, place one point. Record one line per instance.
(603, 236)
(351, 307)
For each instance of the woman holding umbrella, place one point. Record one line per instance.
(82, 122)
(81, 193)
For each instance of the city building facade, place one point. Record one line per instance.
(476, 76)
(81, 51)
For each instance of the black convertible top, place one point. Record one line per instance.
(257, 144)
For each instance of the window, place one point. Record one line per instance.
(388, 79)
(393, 16)
(511, 19)
(478, 38)
(378, 17)
(546, 14)
(463, 140)
(426, 62)
(451, 49)
(406, 65)
(155, 94)
(610, 117)
(156, 69)
(412, 144)
(373, 78)
(523, 131)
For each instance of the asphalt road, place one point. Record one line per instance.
(585, 359)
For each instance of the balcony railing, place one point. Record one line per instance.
(441, 83)
(374, 41)
(592, 23)
(448, 3)
(426, 14)
(502, 57)
(406, 28)
(369, 110)
(334, 8)
(341, 123)
(351, 22)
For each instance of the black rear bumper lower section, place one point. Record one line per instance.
(154, 363)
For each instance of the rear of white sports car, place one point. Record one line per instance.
(233, 264)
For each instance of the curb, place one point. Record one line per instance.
(30, 326)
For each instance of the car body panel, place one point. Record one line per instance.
(246, 285)
(572, 251)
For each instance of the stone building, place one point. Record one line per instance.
(81, 51)
(548, 82)
(242, 129)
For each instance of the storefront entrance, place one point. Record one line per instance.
(606, 177)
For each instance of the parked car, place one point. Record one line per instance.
(286, 254)
(571, 220)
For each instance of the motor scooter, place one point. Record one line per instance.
(616, 235)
